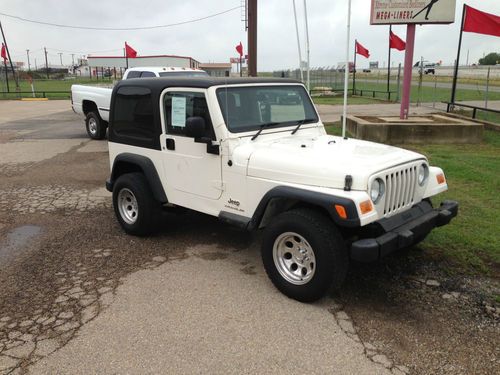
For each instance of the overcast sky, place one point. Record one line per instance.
(214, 39)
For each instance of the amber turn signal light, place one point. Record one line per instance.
(365, 207)
(341, 211)
(440, 179)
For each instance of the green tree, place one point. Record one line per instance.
(492, 58)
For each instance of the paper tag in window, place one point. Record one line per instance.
(179, 111)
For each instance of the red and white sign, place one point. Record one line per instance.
(390, 12)
(236, 60)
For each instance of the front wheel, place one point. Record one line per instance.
(95, 125)
(304, 254)
(135, 208)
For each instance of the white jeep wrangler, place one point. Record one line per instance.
(254, 153)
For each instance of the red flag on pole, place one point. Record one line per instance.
(129, 51)
(481, 22)
(360, 50)
(239, 49)
(396, 42)
(4, 53)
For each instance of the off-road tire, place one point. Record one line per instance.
(329, 250)
(95, 125)
(143, 216)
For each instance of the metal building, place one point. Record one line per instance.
(159, 60)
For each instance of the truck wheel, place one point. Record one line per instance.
(136, 209)
(304, 254)
(96, 127)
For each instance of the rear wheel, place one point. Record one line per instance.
(95, 125)
(304, 254)
(135, 208)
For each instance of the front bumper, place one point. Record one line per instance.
(403, 230)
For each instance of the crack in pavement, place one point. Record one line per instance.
(46, 199)
(24, 340)
(370, 351)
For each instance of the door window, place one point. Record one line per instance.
(181, 105)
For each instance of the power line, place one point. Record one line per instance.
(86, 52)
(119, 28)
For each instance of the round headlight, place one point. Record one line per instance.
(423, 173)
(377, 190)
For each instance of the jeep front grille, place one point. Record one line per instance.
(400, 187)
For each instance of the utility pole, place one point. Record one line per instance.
(60, 57)
(28, 54)
(252, 38)
(73, 59)
(46, 62)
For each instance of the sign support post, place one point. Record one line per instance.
(405, 98)
(410, 13)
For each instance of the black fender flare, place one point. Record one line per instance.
(325, 201)
(127, 162)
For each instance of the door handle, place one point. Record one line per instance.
(170, 144)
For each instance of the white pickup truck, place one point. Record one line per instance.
(93, 101)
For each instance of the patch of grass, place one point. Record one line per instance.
(481, 81)
(62, 85)
(339, 100)
(333, 128)
(481, 115)
(429, 94)
(472, 240)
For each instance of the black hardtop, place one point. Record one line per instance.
(158, 84)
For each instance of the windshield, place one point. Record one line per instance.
(183, 74)
(248, 108)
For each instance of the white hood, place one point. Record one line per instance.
(320, 160)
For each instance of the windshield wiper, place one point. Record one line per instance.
(301, 122)
(262, 127)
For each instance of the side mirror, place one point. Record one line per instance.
(195, 127)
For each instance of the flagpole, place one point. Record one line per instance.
(298, 42)
(389, 62)
(354, 69)
(10, 60)
(6, 75)
(455, 73)
(126, 55)
(346, 75)
(307, 46)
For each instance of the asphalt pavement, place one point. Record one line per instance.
(80, 296)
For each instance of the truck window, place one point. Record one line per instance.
(147, 74)
(133, 113)
(181, 105)
(133, 74)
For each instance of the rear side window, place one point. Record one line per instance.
(133, 113)
(133, 74)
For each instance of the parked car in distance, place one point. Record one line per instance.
(430, 69)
